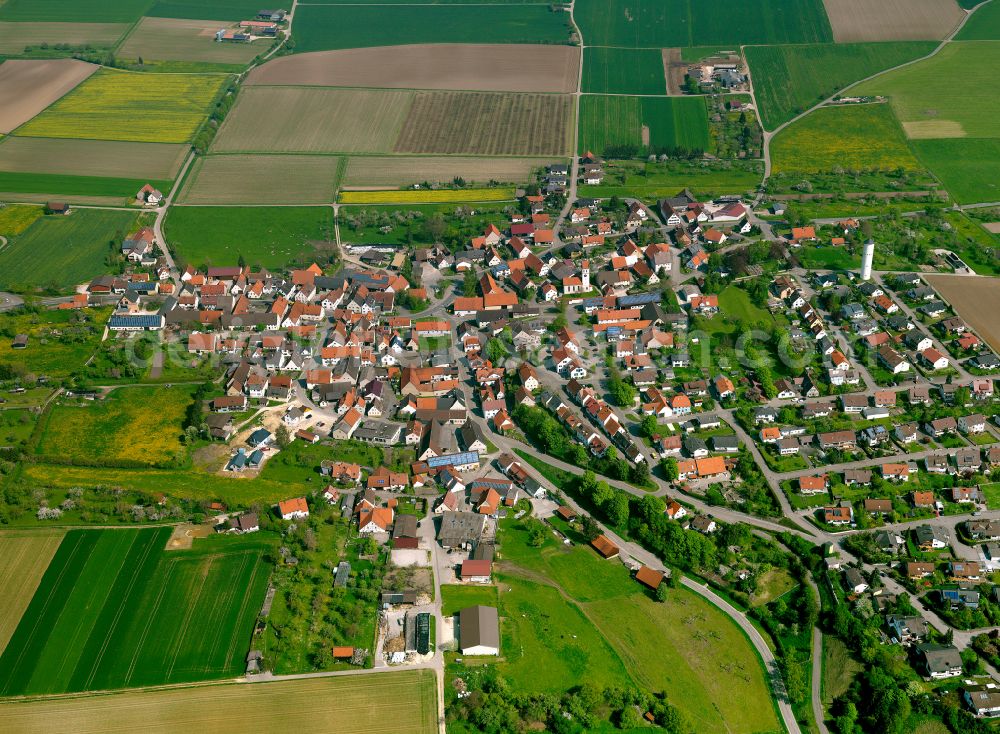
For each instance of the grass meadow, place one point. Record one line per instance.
(790, 79)
(354, 704)
(120, 105)
(984, 25)
(59, 342)
(326, 27)
(270, 236)
(680, 23)
(649, 181)
(141, 425)
(14, 37)
(16, 218)
(943, 97)
(685, 647)
(211, 10)
(62, 251)
(623, 71)
(85, 189)
(24, 556)
(115, 610)
(967, 167)
(262, 180)
(672, 122)
(864, 136)
(456, 597)
(79, 11)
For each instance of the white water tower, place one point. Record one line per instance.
(867, 255)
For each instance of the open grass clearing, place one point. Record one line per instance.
(651, 181)
(975, 300)
(487, 123)
(992, 494)
(142, 425)
(63, 251)
(272, 237)
(456, 597)
(790, 79)
(892, 20)
(482, 67)
(327, 27)
(15, 37)
(408, 170)
(312, 120)
(175, 39)
(623, 71)
(24, 556)
(946, 88)
(669, 122)
(355, 704)
(839, 668)
(28, 87)
(16, 425)
(966, 166)
(260, 179)
(96, 158)
(771, 585)
(122, 105)
(88, 624)
(863, 136)
(59, 343)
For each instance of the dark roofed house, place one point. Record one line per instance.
(939, 661)
(479, 631)
(459, 529)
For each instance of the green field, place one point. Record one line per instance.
(984, 25)
(212, 10)
(80, 11)
(967, 167)
(943, 97)
(686, 647)
(15, 219)
(143, 425)
(674, 23)
(354, 704)
(790, 79)
(673, 122)
(272, 237)
(62, 251)
(456, 597)
(992, 494)
(59, 185)
(59, 343)
(623, 71)
(655, 181)
(120, 105)
(325, 27)
(864, 136)
(735, 303)
(115, 609)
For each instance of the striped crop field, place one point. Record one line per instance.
(426, 196)
(115, 609)
(24, 556)
(122, 105)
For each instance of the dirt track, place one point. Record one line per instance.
(28, 87)
(490, 68)
(892, 20)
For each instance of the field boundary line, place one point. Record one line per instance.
(248, 591)
(189, 614)
(145, 632)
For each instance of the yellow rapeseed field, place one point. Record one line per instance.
(122, 105)
(426, 196)
(15, 218)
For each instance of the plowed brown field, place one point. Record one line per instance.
(490, 68)
(892, 20)
(28, 87)
(975, 298)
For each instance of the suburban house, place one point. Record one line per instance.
(293, 509)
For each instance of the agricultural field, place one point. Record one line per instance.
(43, 187)
(363, 705)
(268, 237)
(96, 158)
(966, 166)
(942, 97)
(310, 120)
(81, 11)
(976, 300)
(656, 641)
(476, 67)
(680, 23)
(211, 10)
(172, 39)
(327, 27)
(115, 609)
(16, 218)
(120, 105)
(403, 170)
(623, 71)
(425, 196)
(657, 123)
(15, 37)
(848, 136)
(652, 181)
(59, 342)
(63, 251)
(24, 556)
(892, 20)
(487, 124)
(261, 179)
(141, 425)
(984, 25)
(790, 79)
(28, 87)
